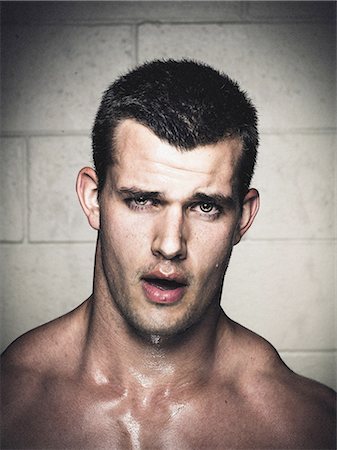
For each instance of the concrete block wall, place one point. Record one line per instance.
(57, 59)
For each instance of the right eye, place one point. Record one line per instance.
(141, 203)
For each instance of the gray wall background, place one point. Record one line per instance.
(58, 57)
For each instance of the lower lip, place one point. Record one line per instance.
(163, 296)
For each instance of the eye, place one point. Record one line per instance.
(141, 201)
(206, 207)
(207, 210)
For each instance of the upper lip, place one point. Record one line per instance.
(174, 276)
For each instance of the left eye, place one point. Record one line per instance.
(206, 207)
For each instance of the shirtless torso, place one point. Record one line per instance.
(246, 398)
(151, 361)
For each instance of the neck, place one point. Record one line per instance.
(115, 352)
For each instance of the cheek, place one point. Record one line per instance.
(124, 236)
(212, 245)
(211, 267)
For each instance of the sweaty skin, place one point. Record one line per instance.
(150, 360)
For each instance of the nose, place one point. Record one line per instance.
(169, 241)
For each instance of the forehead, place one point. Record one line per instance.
(144, 160)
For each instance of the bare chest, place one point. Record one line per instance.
(82, 421)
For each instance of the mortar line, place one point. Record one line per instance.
(86, 133)
(26, 196)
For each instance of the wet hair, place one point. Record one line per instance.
(185, 103)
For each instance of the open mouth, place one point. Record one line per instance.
(163, 290)
(164, 284)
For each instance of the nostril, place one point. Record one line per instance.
(169, 251)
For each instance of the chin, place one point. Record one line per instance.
(159, 332)
(164, 327)
(148, 330)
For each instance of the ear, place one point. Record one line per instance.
(250, 207)
(87, 190)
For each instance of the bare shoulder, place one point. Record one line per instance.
(31, 359)
(300, 410)
(38, 348)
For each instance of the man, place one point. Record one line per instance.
(150, 361)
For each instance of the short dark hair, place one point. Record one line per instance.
(185, 103)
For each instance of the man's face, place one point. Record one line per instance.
(168, 222)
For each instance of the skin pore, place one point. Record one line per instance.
(150, 360)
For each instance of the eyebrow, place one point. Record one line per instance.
(224, 201)
(136, 192)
